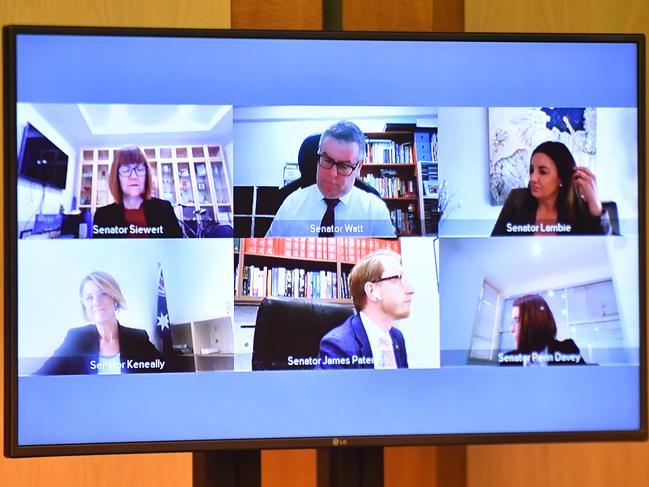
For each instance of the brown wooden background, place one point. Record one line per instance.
(593, 465)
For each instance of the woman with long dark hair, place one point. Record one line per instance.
(560, 199)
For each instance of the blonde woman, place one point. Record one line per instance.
(104, 346)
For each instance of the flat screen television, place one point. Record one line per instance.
(41, 160)
(458, 255)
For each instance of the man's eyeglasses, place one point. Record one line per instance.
(126, 171)
(399, 277)
(344, 168)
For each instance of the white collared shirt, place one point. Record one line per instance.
(374, 334)
(358, 214)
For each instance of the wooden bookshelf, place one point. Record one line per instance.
(395, 164)
(263, 265)
(193, 177)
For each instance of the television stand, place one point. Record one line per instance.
(226, 468)
(337, 467)
(350, 467)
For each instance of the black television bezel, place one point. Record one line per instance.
(11, 447)
(21, 160)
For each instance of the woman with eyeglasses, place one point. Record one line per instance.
(135, 213)
(104, 346)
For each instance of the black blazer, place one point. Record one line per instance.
(81, 347)
(565, 352)
(157, 212)
(520, 209)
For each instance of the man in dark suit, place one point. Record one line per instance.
(368, 339)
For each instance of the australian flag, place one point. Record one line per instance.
(163, 328)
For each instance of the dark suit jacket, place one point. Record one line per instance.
(81, 346)
(566, 348)
(349, 341)
(520, 209)
(156, 211)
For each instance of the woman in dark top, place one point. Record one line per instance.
(103, 347)
(135, 213)
(535, 331)
(561, 198)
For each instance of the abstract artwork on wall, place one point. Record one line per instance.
(515, 132)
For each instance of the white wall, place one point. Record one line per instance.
(29, 194)
(461, 279)
(265, 138)
(464, 163)
(421, 329)
(623, 254)
(198, 279)
(617, 162)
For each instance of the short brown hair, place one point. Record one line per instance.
(369, 268)
(536, 326)
(106, 283)
(128, 155)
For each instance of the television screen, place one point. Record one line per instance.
(42, 161)
(282, 239)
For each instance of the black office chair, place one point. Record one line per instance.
(308, 163)
(611, 210)
(288, 327)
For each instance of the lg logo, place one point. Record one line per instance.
(339, 442)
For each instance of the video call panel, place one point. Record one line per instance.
(248, 189)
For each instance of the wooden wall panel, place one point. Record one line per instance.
(425, 466)
(164, 470)
(596, 464)
(557, 16)
(448, 15)
(404, 15)
(288, 468)
(382, 15)
(277, 14)
(123, 13)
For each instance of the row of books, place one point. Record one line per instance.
(431, 215)
(311, 248)
(404, 220)
(379, 151)
(295, 283)
(347, 249)
(353, 249)
(391, 186)
(429, 172)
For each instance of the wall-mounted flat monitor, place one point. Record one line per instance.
(453, 252)
(41, 160)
